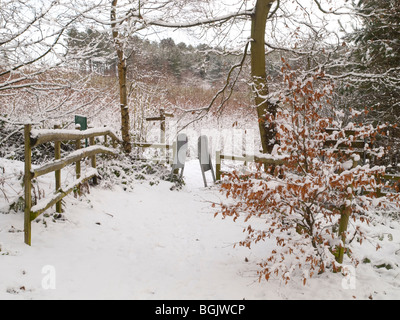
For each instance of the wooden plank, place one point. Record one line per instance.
(348, 133)
(273, 162)
(161, 118)
(358, 144)
(391, 177)
(39, 137)
(256, 159)
(152, 145)
(233, 158)
(72, 158)
(156, 119)
(154, 160)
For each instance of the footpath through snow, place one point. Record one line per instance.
(154, 243)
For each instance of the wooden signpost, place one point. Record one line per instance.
(162, 119)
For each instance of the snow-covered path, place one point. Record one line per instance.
(152, 243)
(148, 244)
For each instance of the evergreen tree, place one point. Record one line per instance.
(91, 50)
(375, 68)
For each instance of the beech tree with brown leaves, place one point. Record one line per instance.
(322, 199)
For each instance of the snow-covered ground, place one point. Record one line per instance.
(154, 243)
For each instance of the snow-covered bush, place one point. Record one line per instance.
(318, 202)
(127, 171)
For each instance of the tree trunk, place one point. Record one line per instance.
(265, 110)
(122, 76)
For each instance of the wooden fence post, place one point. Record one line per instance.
(28, 185)
(105, 139)
(92, 143)
(379, 192)
(344, 220)
(162, 126)
(78, 164)
(218, 166)
(343, 225)
(114, 143)
(174, 152)
(57, 156)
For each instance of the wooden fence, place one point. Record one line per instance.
(245, 158)
(34, 138)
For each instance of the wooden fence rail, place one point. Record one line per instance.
(245, 159)
(34, 138)
(165, 148)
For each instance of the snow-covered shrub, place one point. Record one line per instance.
(321, 199)
(127, 171)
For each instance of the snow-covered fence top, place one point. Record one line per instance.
(34, 138)
(39, 137)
